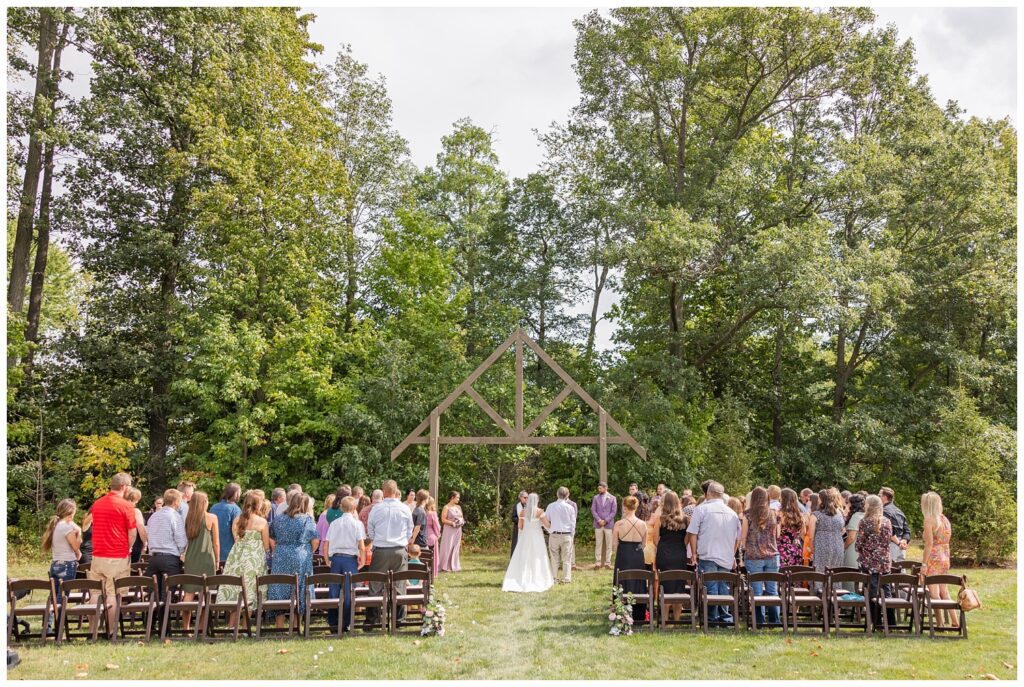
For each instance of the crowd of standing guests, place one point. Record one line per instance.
(248, 535)
(763, 531)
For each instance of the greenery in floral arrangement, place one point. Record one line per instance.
(620, 613)
(434, 616)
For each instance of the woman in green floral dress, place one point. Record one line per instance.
(248, 557)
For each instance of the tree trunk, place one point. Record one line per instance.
(352, 282)
(780, 339)
(30, 186)
(35, 298)
(598, 288)
(674, 348)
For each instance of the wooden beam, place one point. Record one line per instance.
(521, 440)
(535, 425)
(519, 380)
(581, 392)
(435, 451)
(450, 398)
(491, 412)
(602, 445)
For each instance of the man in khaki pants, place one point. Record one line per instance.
(562, 518)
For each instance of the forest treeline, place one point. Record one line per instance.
(224, 265)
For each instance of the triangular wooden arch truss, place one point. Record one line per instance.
(429, 432)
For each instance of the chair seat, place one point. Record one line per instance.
(675, 598)
(276, 605)
(368, 600)
(33, 609)
(768, 599)
(898, 602)
(417, 598)
(324, 603)
(720, 598)
(944, 604)
(83, 608)
(136, 606)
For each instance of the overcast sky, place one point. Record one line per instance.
(510, 70)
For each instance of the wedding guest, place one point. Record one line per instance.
(774, 497)
(114, 533)
(86, 540)
(203, 551)
(346, 545)
(659, 493)
(294, 535)
(158, 503)
(433, 532)
(280, 508)
(900, 528)
(63, 539)
(603, 507)
(134, 496)
(410, 500)
(805, 500)
(845, 503)
(711, 535)
(278, 499)
(642, 511)
(517, 510)
(562, 517)
(575, 517)
(167, 541)
(248, 556)
(670, 540)
(357, 493)
(792, 522)
(737, 507)
(322, 524)
(629, 535)
(872, 544)
(364, 513)
(687, 493)
(390, 530)
(812, 504)
(937, 533)
(451, 534)
(826, 531)
(760, 548)
(186, 488)
(688, 503)
(419, 519)
(853, 519)
(226, 510)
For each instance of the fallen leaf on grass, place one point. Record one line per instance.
(969, 676)
(283, 651)
(416, 643)
(814, 653)
(789, 640)
(872, 672)
(82, 667)
(166, 641)
(1008, 666)
(111, 666)
(81, 674)
(989, 676)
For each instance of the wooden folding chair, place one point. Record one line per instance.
(321, 606)
(796, 569)
(645, 597)
(803, 593)
(175, 604)
(687, 599)
(904, 598)
(213, 606)
(735, 582)
(135, 601)
(45, 609)
(93, 605)
(411, 598)
(779, 599)
(861, 585)
(933, 606)
(363, 599)
(263, 604)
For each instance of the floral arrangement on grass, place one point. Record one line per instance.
(620, 613)
(434, 616)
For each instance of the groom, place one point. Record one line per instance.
(562, 517)
(517, 510)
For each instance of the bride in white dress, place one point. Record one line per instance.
(529, 569)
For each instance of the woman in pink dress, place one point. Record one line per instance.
(451, 535)
(433, 531)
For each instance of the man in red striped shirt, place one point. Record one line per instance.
(113, 534)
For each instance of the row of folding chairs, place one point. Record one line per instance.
(837, 600)
(140, 611)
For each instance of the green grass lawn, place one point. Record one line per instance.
(558, 635)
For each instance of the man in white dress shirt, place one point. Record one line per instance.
(389, 527)
(562, 517)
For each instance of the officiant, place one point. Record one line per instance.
(517, 510)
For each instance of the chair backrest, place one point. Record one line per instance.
(912, 566)
(368, 577)
(410, 575)
(277, 578)
(781, 578)
(426, 554)
(800, 578)
(323, 579)
(945, 579)
(16, 586)
(139, 586)
(899, 583)
(84, 567)
(321, 569)
(687, 576)
(71, 586)
(841, 569)
(722, 576)
(216, 581)
(857, 578)
(642, 575)
(418, 566)
(174, 582)
(796, 568)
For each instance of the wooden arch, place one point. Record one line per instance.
(429, 431)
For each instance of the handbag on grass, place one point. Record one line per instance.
(968, 598)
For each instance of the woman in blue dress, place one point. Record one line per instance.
(295, 536)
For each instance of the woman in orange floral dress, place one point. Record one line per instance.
(937, 532)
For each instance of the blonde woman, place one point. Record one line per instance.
(937, 533)
(63, 539)
(134, 496)
(873, 551)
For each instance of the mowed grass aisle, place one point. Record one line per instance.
(558, 635)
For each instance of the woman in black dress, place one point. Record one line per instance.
(670, 540)
(629, 535)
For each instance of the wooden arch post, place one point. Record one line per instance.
(429, 430)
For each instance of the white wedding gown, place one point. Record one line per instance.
(529, 570)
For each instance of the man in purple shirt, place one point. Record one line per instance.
(603, 508)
